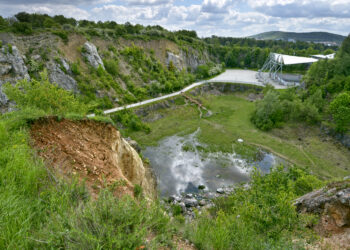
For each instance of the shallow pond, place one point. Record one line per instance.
(181, 166)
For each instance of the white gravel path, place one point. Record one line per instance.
(229, 76)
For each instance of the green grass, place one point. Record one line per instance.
(39, 210)
(231, 120)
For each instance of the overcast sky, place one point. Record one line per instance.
(208, 17)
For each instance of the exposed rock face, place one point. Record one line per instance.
(12, 69)
(185, 60)
(93, 151)
(177, 61)
(332, 203)
(92, 56)
(56, 75)
(192, 60)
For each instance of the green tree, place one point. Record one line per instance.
(340, 110)
(23, 27)
(269, 112)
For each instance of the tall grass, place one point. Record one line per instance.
(40, 210)
(259, 217)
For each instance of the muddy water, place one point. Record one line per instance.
(180, 166)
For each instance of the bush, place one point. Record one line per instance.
(137, 191)
(259, 217)
(269, 112)
(130, 121)
(23, 28)
(340, 110)
(43, 95)
(3, 23)
(10, 48)
(62, 34)
(111, 67)
(75, 68)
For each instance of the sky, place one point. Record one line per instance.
(235, 18)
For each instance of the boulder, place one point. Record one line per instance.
(134, 144)
(220, 191)
(12, 69)
(92, 56)
(332, 203)
(65, 65)
(63, 80)
(191, 202)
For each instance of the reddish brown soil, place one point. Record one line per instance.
(82, 149)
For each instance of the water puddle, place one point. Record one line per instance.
(181, 166)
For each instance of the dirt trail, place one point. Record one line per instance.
(92, 151)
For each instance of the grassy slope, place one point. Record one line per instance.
(231, 120)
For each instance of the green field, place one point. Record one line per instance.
(300, 144)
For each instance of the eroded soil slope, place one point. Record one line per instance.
(94, 152)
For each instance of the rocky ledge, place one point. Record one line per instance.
(332, 203)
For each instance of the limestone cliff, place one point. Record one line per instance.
(12, 69)
(21, 56)
(94, 152)
(31, 54)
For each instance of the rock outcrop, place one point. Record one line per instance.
(94, 152)
(190, 60)
(12, 69)
(344, 139)
(332, 203)
(56, 75)
(92, 56)
(177, 61)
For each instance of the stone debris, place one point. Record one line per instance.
(191, 202)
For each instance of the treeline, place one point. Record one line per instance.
(251, 53)
(234, 52)
(25, 23)
(274, 44)
(325, 100)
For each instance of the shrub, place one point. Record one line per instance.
(75, 68)
(43, 95)
(23, 28)
(131, 121)
(111, 67)
(259, 217)
(62, 34)
(269, 112)
(10, 50)
(340, 110)
(137, 191)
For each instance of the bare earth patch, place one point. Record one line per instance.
(92, 151)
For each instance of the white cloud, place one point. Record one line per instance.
(303, 8)
(216, 6)
(209, 17)
(51, 9)
(147, 2)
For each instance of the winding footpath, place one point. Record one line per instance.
(229, 76)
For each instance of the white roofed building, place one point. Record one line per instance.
(274, 66)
